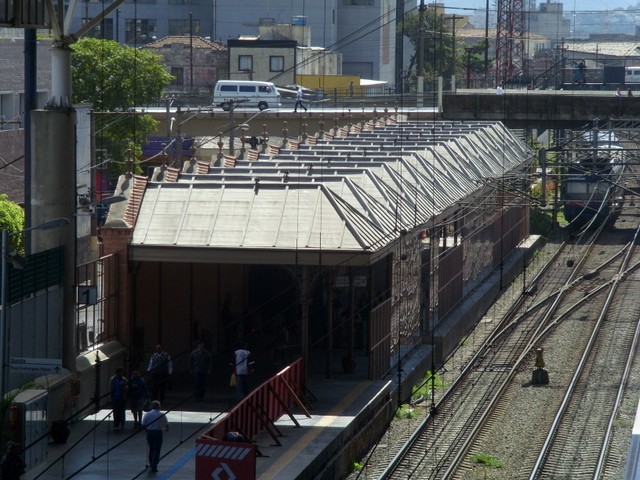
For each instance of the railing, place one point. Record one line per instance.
(334, 97)
(92, 328)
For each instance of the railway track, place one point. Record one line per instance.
(387, 450)
(578, 426)
(441, 442)
(570, 286)
(603, 368)
(579, 392)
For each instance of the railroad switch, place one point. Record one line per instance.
(540, 376)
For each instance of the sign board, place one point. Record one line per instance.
(358, 281)
(87, 295)
(219, 460)
(35, 365)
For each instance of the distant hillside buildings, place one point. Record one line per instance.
(362, 31)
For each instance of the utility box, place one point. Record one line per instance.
(222, 459)
(28, 425)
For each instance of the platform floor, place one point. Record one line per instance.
(95, 451)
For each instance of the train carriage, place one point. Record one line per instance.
(591, 190)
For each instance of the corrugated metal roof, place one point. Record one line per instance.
(196, 41)
(349, 196)
(618, 49)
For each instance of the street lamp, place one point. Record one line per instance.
(191, 51)
(486, 43)
(4, 294)
(243, 126)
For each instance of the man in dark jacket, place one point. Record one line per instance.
(200, 367)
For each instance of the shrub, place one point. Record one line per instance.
(405, 411)
(487, 460)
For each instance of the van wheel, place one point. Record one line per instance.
(225, 106)
(263, 105)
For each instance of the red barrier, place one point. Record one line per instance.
(259, 410)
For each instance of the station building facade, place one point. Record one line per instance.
(349, 247)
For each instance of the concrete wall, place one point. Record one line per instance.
(62, 401)
(12, 63)
(536, 108)
(371, 52)
(209, 64)
(313, 61)
(354, 441)
(261, 53)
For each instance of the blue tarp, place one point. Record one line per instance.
(154, 146)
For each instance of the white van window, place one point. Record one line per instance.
(248, 88)
(264, 88)
(228, 88)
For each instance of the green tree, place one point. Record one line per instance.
(439, 47)
(12, 220)
(114, 78)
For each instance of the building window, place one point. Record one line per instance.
(177, 72)
(103, 30)
(180, 26)
(245, 63)
(139, 31)
(276, 63)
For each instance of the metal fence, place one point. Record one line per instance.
(97, 295)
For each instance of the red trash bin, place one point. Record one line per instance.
(222, 460)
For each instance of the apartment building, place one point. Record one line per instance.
(363, 31)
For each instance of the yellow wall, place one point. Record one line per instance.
(328, 82)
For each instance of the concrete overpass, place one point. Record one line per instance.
(515, 108)
(539, 108)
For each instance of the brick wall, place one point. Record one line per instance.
(12, 65)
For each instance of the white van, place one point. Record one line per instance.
(632, 75)
(245, 93)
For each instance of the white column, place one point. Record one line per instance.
(60, 76)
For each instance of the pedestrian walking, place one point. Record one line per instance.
(243, 368)
(118, 388)
(155, 423)
(299, 101)
(138, 397)
(200, 367)
(351, 89)
(582, 68)
(160, 368)
(12, 466)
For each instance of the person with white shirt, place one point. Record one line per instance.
(155, 422)
(299, 101)
(243, 368)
